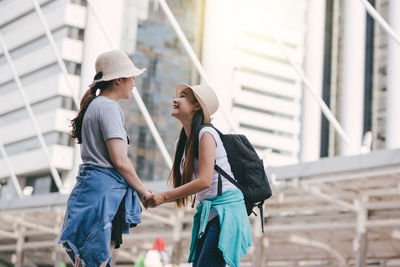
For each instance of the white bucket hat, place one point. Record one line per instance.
(113, 65)
(206, 97)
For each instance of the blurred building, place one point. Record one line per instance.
(357, 80)
(159, 50)
(258, 88)
(349, 60)
(80, 32)
(47, 91)
(259, 91)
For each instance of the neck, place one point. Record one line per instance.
(109, 94)
(187, 127)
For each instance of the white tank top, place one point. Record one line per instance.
(222, 161)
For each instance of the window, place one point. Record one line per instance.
(265, 130)
(142, 137)
(140, 165)
(262, 92)
(79, 2)
(273, 150)
(68, 103)
(75, 33)
(32, 143)
(273, 113)
(73, 68)
(41, 184)
(38, 108)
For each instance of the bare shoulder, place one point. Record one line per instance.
(207, 140)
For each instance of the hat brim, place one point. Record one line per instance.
(206, 114)
(132, 72)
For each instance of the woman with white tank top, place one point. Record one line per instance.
(221, 229)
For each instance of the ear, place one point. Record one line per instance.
(118, 81)
(197, 107)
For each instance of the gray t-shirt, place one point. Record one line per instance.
(103, 120)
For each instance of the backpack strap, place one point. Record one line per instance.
(260, 207)
(212, 126)
(219, 190)
(219, 169)
(194, 200)
(227, 176)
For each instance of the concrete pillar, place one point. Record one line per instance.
(177, 240)
(393, 80)
(258, 244)
(57, 258)
(361, 253)
(352, 104)
(361, 242)
(221, 21)
(198, 38)
(114, 257)
(311, 113)
(19, 256)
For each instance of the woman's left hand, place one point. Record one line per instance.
(156, 199)
(144, 198)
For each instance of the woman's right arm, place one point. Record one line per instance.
(123, 165)
(207, 147)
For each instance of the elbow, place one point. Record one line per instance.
(119, 163)
(205, 183)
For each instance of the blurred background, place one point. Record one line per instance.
(313, 84)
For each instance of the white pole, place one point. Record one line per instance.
(28, 107)
(11, 170)
(324, 108)
(311, 116)
(96, 17)
(352, 98)
(371, 10)
(393, 80)
(56, 52)
(192, 55)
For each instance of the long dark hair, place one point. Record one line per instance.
(86, 100)
(191, 154)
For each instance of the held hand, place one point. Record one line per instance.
(156, 199)
(145, 197)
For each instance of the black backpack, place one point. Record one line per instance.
(248, 169)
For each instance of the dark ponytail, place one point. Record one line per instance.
(190, 156)
(87, 98)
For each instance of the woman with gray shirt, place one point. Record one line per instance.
(105, 201)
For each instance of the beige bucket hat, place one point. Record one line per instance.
(206, 97)
(113, 65)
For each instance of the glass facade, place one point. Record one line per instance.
(161, 53)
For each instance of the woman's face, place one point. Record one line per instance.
(185, 105)
(126, 86)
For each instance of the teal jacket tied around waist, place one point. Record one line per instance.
(235, 235)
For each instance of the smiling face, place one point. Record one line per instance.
(185, 105)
